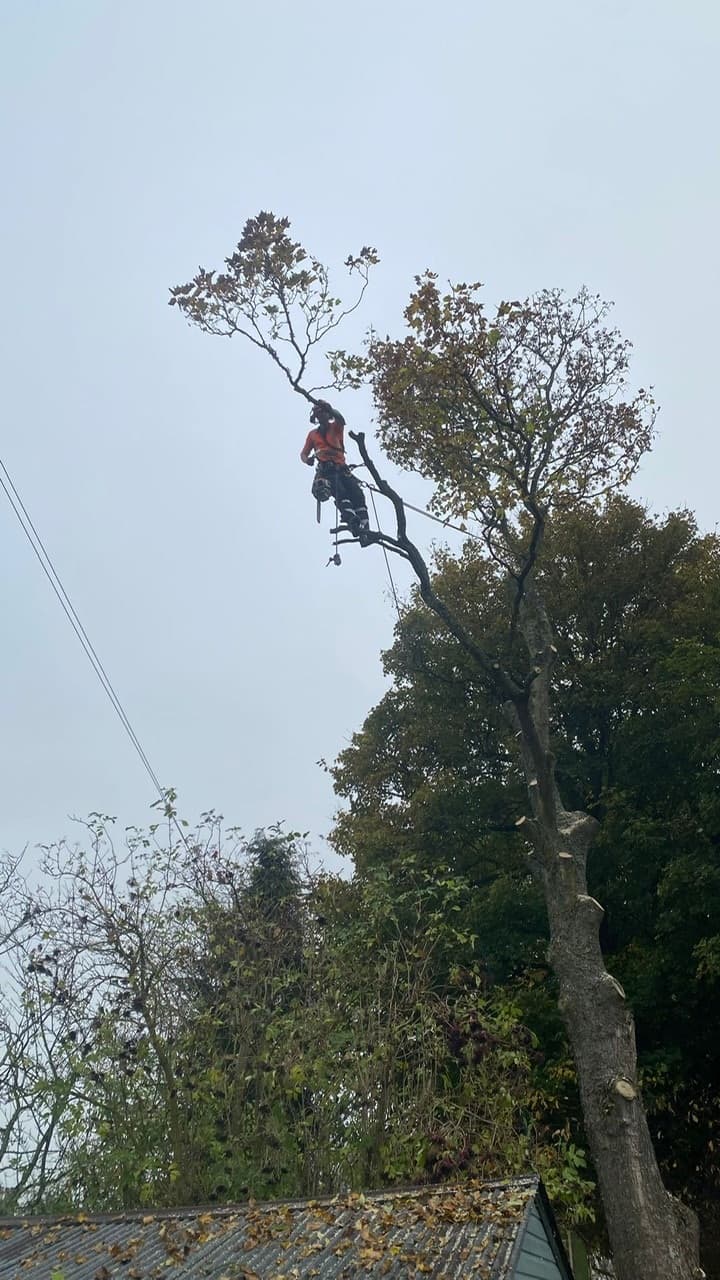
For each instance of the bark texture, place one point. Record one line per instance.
(653, 1236)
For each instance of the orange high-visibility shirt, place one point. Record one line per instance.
(328, 447)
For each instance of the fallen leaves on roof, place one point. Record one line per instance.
(444, 1232)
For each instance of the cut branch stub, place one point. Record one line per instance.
(584, 900)
(613, 982)
(625, 1088)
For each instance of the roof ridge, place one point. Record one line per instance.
(348, 1198)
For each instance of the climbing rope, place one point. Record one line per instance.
(446, 524)
(372, 490)
(384, 551)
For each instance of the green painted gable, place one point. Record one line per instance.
(538, 1256)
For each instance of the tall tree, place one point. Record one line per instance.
(513, 416)
(637, 685)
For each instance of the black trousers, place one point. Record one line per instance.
(346, 491)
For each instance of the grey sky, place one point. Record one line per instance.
(523, 144)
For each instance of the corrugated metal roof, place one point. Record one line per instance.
(441, 1232)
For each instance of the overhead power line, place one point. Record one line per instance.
(29, 529)
(43, 556)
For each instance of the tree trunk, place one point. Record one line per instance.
(653, 1236)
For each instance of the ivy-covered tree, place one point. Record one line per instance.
(514, 415)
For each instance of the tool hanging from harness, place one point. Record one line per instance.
(333, 477)
(321, 488)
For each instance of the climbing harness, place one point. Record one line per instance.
(326, 484)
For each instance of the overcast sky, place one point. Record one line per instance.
(521, 143)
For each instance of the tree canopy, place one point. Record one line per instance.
(431, 776)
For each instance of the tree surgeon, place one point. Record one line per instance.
(325, 445)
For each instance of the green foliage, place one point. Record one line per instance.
(222, 1023)
(432, 776)
(272, 292)
(528, 409)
